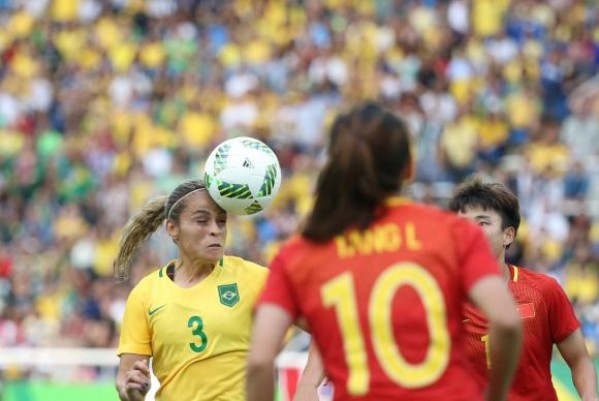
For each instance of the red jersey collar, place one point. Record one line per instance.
(397, 201)
(514, 272)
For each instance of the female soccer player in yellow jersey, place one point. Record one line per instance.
(192, 316)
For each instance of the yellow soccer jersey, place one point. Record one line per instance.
(199, 336)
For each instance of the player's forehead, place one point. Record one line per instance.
(479, 212)
(200, 202)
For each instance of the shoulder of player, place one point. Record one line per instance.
(295, 249)
(430, 213)
(538, 280)
(294, 243)
(242, 265)
(154, 276)
(144, 287)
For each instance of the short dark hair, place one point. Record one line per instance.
(368, 154)
(474, 192)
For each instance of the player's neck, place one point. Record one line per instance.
(189, 274)
(505, 268)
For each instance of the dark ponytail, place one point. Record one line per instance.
(368, 153)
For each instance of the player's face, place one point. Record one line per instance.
(490, 222)
(202, 229)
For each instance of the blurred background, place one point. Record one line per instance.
(107, 103)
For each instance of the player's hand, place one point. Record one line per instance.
(137, 382)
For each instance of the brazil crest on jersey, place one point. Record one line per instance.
(199, 336)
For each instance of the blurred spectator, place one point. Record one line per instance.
(580, 130)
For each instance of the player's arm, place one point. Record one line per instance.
(584, 376)
(270, 325)
(492, 296)
(312, 376)
(133, 377)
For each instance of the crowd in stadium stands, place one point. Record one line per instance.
(104, 104)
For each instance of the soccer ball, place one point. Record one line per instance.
(242, 175)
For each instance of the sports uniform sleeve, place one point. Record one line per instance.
(135, 332)
(475, 257)
(562, 319)
(279, 290)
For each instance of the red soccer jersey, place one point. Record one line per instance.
(547, 318)
(385, 305)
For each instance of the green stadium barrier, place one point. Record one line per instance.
(46, 391)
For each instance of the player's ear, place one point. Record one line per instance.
(172, 229)
(509, 234)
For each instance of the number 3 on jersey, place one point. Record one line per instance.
(340, 294)
(196, 324)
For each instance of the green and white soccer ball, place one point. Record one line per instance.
(242, 175)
